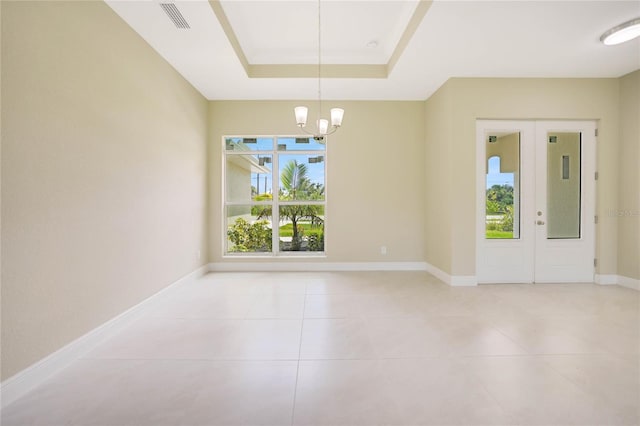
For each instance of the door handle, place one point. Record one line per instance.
(540, 222)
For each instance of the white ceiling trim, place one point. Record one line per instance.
(328, 70)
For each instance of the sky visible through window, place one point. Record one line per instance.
(315, 171)
(494, 177)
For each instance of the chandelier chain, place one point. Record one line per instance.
(322, 125)
(319, 61)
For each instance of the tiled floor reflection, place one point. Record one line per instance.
(357, 348)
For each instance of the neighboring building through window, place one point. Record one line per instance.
(274, 195)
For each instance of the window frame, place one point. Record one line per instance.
(275, 202)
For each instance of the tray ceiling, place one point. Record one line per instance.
(382, 50)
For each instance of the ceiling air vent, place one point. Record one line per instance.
(174, 14)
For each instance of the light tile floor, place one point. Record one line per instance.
(366, 348)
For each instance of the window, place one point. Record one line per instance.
(274, 195)
(502, 216)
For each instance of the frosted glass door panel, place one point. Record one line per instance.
(563, 185)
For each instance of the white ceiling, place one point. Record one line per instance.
(454, 39)
(285, 32)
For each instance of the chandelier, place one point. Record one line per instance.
(322, 124)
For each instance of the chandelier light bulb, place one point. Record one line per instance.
(301, 115)
(323, 126)
(336, 116)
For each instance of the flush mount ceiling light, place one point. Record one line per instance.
(322, 125)
(623, 32)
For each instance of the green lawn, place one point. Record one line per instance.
(499, 234)
(287, 230)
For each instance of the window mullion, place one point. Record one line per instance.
(302, 203)
(275, 206)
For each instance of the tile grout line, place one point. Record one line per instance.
(492, 397)
(295, 389)
(574, 382)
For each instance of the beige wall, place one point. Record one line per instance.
(438, 175)
(0, 187)
(375, 175)
(477, 98)
(627, 213)
(103, 174)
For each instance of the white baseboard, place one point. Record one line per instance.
(29, 378)
(238, 266)
(452, 280)
(603, 279)
(439, 273)
(620, 280)
(315, 266)
(629, 282)
(464, 281)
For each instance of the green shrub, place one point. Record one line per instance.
(506, 224)
(493, 207)
(316, 242)
(247, 237)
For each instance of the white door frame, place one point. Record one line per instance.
(515, 260)
(566, 260)
(504, 261)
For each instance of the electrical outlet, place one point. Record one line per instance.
(383, 250)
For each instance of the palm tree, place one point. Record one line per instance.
(297, 186)
(294, 179)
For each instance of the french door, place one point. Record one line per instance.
(535, 201)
